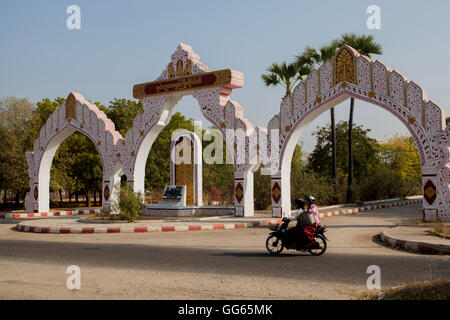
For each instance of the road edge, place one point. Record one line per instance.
(415, 246)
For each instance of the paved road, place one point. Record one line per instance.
(209, 264)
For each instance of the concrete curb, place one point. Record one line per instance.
(48, 214)
(134, 229)
(416, 246)
(370, 207)
(216, 226)
(326, 214)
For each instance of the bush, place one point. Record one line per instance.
(385, 183)
(129, 204)
(309, 182)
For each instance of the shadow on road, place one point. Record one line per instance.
(289, 254)
(335, 266)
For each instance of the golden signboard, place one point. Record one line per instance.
(219, 78)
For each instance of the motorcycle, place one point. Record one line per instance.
(281, 238)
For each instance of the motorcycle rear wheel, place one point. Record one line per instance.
(274, 245)
(322, 244)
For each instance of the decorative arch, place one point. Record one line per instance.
(350, 74)
(74, 115)
(186, 75)
(194, 169)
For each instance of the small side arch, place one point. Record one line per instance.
(196, 174)
(74, 115)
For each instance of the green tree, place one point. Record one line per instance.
(218, 179)
(157, 169)
(262, 192)
(86, 168)
(16, 132)
(122, 112)
(365, 45)
(306, 181)
(447, 121)
(365, 152)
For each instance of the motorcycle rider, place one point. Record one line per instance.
(308, 230)
(295, 232)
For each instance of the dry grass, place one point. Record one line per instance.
(437, 226)
(441, 227)
(100, 216)
(427, 290)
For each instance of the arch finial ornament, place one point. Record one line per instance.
(345, 66)
(187, 75)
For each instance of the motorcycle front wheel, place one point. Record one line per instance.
(274, 245)
(322, 245)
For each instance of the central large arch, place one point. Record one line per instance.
(216, 106)
(350, 74)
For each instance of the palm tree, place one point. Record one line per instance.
(286, 75)
(314, 58)
(365, 45)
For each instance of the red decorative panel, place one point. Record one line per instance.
(429, 192)
(276, 192)
(239, 192)
(106, 192)
(36, 193)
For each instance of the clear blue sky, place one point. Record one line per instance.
(122, 43)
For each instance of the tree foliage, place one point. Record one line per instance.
(382, 169)
(365, 150)
(16, 133)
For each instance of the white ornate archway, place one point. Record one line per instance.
(186, 75)
(195, 168)
(350, 74)
(76, 114)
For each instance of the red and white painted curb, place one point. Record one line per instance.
(48, 214)
(131, 229)
(370, 207)
(224, 226)
(422, 247)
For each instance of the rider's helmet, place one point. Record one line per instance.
(300, 203)
(310, 199)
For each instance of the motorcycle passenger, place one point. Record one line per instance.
(300, 206)
(308, 230)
